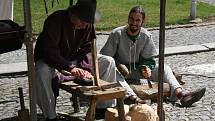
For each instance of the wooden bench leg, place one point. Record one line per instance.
(90, 116)
(120, 107)
(76, 104)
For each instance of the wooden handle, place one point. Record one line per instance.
(149, 82)
(66, 72)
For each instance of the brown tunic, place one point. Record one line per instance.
(59, 43)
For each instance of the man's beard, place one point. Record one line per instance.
(133, 30)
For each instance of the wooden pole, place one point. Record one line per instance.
(161, 60)
(30, 60)
(95, 63)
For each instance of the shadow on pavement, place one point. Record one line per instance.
(9, 119)
(41, 118)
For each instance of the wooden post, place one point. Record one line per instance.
(95, 63)
(30, 60)
(161, 60)
(90, 116)
(120, 107)
(76, 103)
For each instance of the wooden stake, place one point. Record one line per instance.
(95, 63)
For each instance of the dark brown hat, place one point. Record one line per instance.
(86, 10)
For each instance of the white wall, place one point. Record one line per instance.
(6, 9)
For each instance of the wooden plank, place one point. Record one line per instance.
(100, 95)
(70, 86)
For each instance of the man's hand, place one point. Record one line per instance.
(81, 74)
(146, 72)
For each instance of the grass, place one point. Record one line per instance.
(114, 12)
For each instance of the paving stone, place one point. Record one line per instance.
(211, 46)
(204, 118)
(213, 107)
(184, 49)
(183, 119)
(9, 68)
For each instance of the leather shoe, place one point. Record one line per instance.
(134, 100)
(188, 98)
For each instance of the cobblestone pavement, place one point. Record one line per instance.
(204, 110)
(212, 2)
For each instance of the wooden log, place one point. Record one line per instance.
(144, 92)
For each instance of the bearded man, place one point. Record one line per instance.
(133, 47)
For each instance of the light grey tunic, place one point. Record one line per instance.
(125, 51)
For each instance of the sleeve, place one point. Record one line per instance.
(149, 49)
(149, 62)
(147, 53)
(84, 53)
(110, 46)
(52, 36)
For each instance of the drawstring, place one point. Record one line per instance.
(130, 57)
(134, 57)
